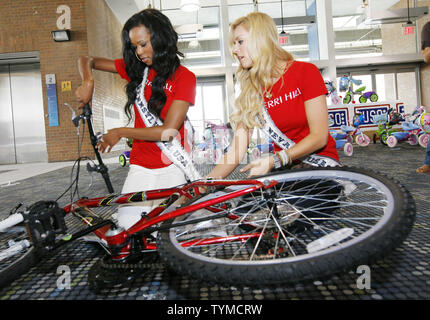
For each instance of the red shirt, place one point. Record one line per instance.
(181, 86)
(301, 82)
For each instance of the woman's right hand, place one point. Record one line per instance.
(84, 93)
(204, 189)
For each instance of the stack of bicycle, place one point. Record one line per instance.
(415, 128)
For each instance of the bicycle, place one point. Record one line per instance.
(421, 118)
(360, 138)
(125, 155)
(343, 142)
(409, 134)
(284, 227)
(346, 84)
(385, 123)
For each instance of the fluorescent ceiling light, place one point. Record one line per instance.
(190, 5)
(189, 28)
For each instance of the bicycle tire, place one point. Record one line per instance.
(362, 140)
(391, 141)
(398, 215)
(122, 160)
(362, 99)
(347, 99)
(16, 265)
(423, 140)
(383, 138)
(374, 97)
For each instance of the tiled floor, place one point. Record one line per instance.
(405, 274)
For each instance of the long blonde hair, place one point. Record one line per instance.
(266, 53)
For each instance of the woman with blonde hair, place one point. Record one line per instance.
(283, 97)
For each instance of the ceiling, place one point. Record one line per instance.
(208, 14)
(351, 38)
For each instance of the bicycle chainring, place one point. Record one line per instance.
(107, 273)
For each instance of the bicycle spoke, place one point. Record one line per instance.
(319, 204)
(307, 223)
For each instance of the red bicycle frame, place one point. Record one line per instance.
(120, 240)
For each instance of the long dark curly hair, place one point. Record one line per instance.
(165, 59)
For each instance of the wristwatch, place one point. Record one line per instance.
(276, 161)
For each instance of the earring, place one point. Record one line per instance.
(135, 53)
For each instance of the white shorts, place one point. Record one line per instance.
(142, 179)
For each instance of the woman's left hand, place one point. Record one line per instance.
(108, 140)
(259, 167)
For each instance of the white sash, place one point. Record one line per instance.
(272, 131)
(172, 149)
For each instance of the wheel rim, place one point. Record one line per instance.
(122, 160)
(423, 140)
(391, 141)
(348, 149)
(347, 99)
(374, 97)
(413, 139)
(363, 140)
(384, 138)
(365, 208)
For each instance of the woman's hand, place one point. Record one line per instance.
(259, 167)
(84, 93)
(108, 140)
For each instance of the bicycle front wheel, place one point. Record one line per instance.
(17, 254)
(313, 224)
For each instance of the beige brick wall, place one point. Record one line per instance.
(425, 69)
(393, 42)
(104, 40)
(27, 25)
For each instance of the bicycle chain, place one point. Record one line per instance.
(125, 266)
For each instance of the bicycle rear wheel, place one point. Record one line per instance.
(316, 223)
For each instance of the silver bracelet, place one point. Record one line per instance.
(276, 161)
(285, 158)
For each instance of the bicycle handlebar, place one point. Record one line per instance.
(101, 168)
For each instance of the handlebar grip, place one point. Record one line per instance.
(10, 221)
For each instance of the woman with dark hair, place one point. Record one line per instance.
(159, 92)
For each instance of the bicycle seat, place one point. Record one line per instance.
(380, 118)
(407, 126)
(345, 128)
(400, 135)
(338, 135)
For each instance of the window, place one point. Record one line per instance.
(201, 47)
(391, 83)
(386, 86)
(209, 106)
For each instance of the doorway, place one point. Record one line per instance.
(22, 124)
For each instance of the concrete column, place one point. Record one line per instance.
(326, 39)
(227, 59)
